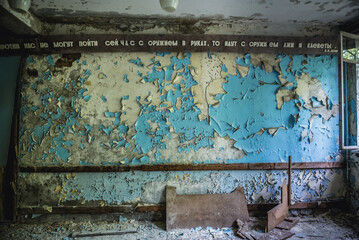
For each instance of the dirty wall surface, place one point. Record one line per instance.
(354, 180)
(176, 108)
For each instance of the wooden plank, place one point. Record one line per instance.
(151, 208)
(319, 204)
(100, 234)
(261, 206)
(204, 210)
(162, 208)
(287, 224)
(289, 179)
(75, 209)
(280, 212)
(185, 167)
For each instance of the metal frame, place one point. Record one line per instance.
(342, 95)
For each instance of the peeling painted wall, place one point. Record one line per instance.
(352, 71)
(99, 189)
(166, 108)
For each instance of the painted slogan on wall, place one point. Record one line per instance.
(170, 43)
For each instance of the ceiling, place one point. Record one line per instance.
(246, 17)
(333, 12)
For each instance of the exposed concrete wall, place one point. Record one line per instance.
(163, 108)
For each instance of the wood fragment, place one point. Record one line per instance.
(277, 234)
(162, 208)
(243, 231)
(185, 167)
(97, 234)
(287, 224)
(289, 179)
(204, 210)
(280, 212)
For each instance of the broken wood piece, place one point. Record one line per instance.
(280, 212)
(289, 180)
(97, 234)
(245, 235)
(243, 230)
(205, 210)
(287, 224)
(277, 234)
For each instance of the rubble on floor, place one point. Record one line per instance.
(318, 225)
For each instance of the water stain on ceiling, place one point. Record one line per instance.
(272, 11)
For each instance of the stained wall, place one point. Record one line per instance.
(176, 108)
(9, 68)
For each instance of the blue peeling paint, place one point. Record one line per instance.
(30, 59)
(106, 130)
(87, 98)
(119, 188)
(162, 54)
(81, 92)
(104, 99)
(136, 62)
(50, 60)
(245, 113)
(109, 114)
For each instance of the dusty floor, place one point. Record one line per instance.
(312, 225)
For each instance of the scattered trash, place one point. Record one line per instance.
(122, 219)
(324, 226)
(294, 213)
(243, 231)
(306, 211)
(287, 224)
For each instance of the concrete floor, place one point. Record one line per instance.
(312, 225)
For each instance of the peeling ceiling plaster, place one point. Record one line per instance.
(272, 11)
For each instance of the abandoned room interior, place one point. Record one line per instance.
(179, 119)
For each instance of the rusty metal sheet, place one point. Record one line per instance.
(204, 210)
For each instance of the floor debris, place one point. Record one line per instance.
(97, 234)
(287, 224)
(277, 234)
(243, 231)
(323, 225)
